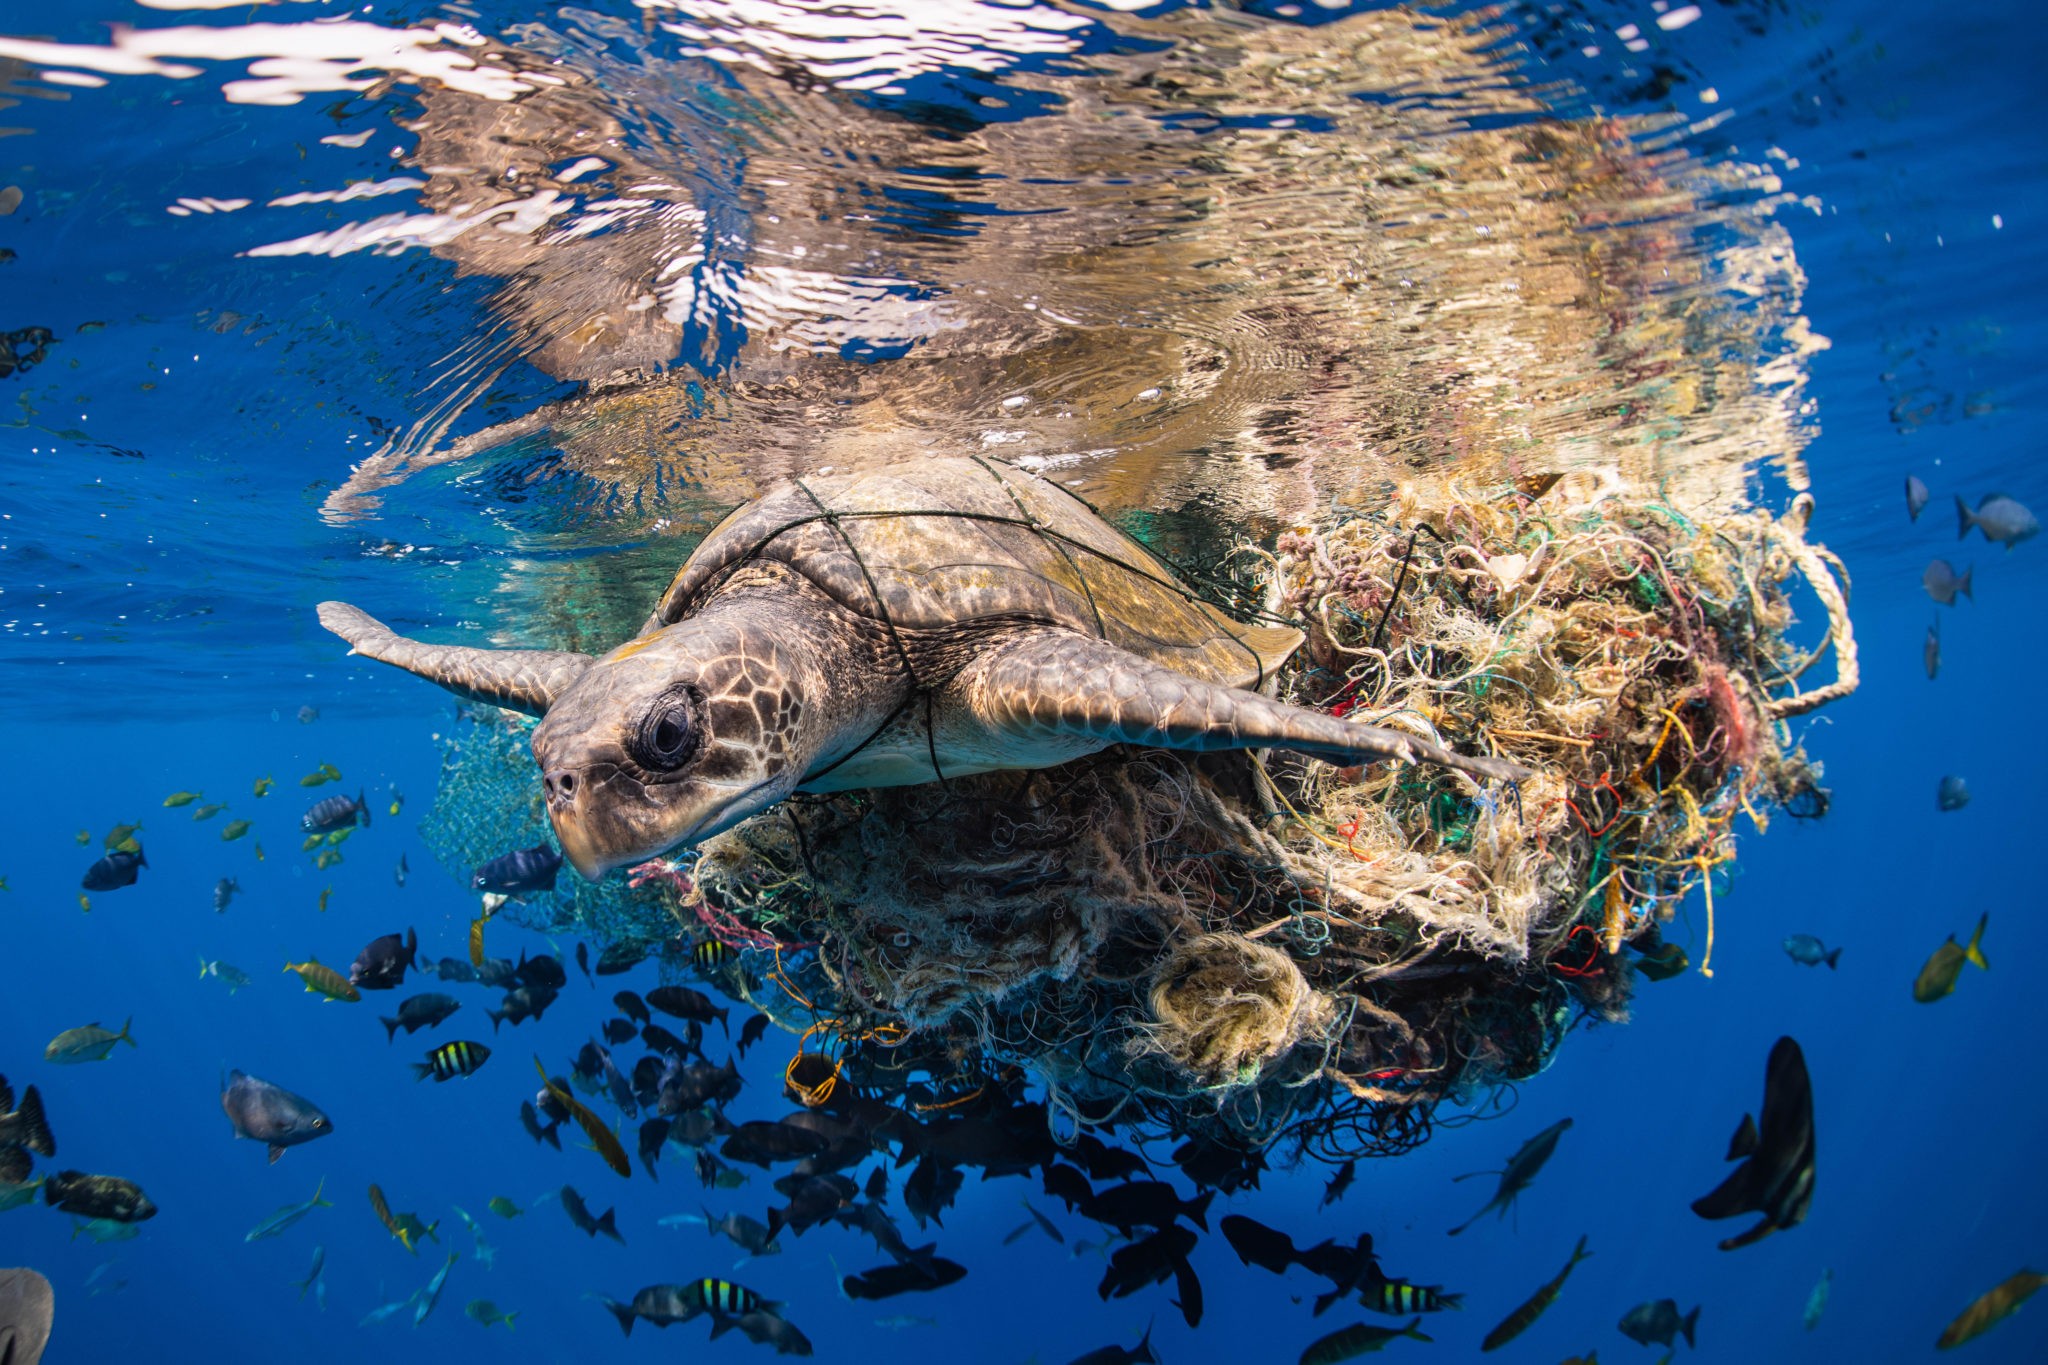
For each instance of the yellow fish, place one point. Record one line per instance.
(85, 836)
(182, 798)
(259, 853)
(335, 838)
(121, 838)
(317, 777)
(476, 941)
(324, 980)
(85, 904)
(602, 1139)
(235, 829)
(327, 858)
(325, 892)
(312, 842)
(1938, 977)
(207, 812)
(263, 786)
(1991, 1308)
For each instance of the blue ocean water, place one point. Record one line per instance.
(168, 475)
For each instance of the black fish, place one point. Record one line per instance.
(1104, 1162)
(632, 1006)
(543, 972)
(1069, 1186)
(1776, 1178)
(930, 1190)
(760, 1143)
(616, 1084)
(1256, 1244)
(877, 1188)
(683, 1003)
(270, 1114)
(764, 1328)
(416, 1012)
(617, 1031)
(871, 1219)
(887, 1281)
(696, 1085)
(526, 1002)
(1149, 1204)
(1151, 1259)
(695, 1127)
(1339, 1183)
(495, 972)
(381, 966)
(1346, 1342)
(98, 1196)
(455, 969)
(1743, 1140)
(579, 1214)
(114, 871)
(748, 1234)
(22, 1131)
(529, 1118)
(524, 873)
(583, 960)
(1141, 1354)
(336, 812)
(662, 1041)
(1658, 1322)
(1349, 1269)
(653, 1134)
(647, 1073)
(751, 1033)
(1219, 1165)
(1522, 1168)
(620, 957)
(446, 1062)
(812, 1200)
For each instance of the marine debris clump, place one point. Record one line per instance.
(1242, 948)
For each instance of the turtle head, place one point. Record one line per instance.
(671, 738)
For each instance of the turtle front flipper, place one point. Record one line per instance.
(1055, 684)
(518, 679)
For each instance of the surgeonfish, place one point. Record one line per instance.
(1776, 1175)
(1519, 1321)
(1994, 1306)
(1938, 977)
(1522, 1168)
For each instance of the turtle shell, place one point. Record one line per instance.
(939, 544)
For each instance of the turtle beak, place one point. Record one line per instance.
(565, 789)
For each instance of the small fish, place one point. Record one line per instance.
(88, 1044)
(1993, 1307)
(401, 872)
(1942, 582)
(84, 836)
(1916, 497)
(263, 786)
(681, 1002)
(312, 842)
(622, 956)
(325, 893)
(14, 1195)
(484, 1253)
(182, 798)
(476, 940)
(104, 1230)
(1658, 1323)
(313, 1276)
(446, 1062)
(324, 980)
(326, 772)
(336, 838)
(308, 714)
(526, 872)
(229, 975)
(1339, 1183)
(1141, 1354)
(224, 893)
(1938, 977)
(118, 869)
(207, 812)
(270, 1114)
(504, 1207)
(121, 838)
(1777, 1171)
(335, 813)
(382, 964)
(431, 1295)
(235, 829)
(579, 1214)
(1398, 1298)
(406, 1227)
(1519, 1321)
(1357, 1340)
(1817, 1301)
(1930, 651)
(98, 1197)
(1809, 951)
(711, 955)
(288, 1215)
(2003, 520)
(483, 1312)
(1952, 794)
(326, 858)
(1522, 1168)
(397, 802)
(258, 849)
(85, 904)
(420, 1011)
(22, 1131)
(903, 1320)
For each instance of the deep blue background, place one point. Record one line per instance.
(1911, 128)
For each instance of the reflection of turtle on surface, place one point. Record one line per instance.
(930, 620)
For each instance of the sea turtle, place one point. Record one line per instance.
(898, 626)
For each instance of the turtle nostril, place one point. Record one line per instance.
(560, 785)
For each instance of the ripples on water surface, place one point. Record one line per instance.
(427, 306)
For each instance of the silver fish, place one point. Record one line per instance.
(2003, 520)
(1809, 951)
(1930, 651)
(1942, 582)
(1916, 497)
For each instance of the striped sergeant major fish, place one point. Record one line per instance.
(725, 1298)
(446, 1062)
(1400, 1299)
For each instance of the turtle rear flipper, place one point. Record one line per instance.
(526, 680)
(1056, 683)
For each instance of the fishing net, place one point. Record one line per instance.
(1243, 947)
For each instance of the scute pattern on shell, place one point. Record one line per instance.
(951, 542)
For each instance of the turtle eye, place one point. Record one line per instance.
(667, 738)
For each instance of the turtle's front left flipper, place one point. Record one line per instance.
(1056, 684)
(519, 679)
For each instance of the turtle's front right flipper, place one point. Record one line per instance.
(519, 679)
(1056, 683)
